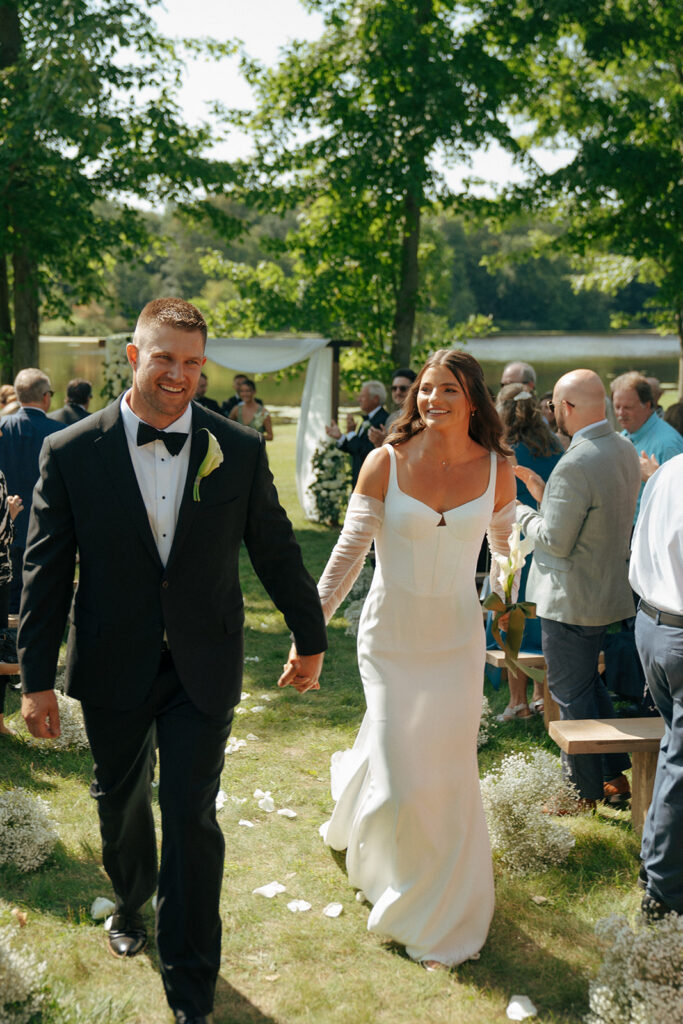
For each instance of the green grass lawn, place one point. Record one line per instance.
(293, 968)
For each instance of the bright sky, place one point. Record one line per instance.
(264, 26)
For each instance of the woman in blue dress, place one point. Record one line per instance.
(535, 446)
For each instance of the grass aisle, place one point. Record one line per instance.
(293, 968)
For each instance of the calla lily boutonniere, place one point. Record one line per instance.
(211, 461)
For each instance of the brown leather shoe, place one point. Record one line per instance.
(126, 935)
(617, 792)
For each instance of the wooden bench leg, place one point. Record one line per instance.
(551, 711)
(642, 782)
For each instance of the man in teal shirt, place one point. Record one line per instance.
(634, 408)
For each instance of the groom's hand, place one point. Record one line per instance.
(41, 713)
(302, 671)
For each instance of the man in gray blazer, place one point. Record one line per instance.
(579, 575)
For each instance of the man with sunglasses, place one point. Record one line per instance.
(579, 575)
(401, 383)
(23, 434)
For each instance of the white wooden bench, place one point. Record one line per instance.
(638, 737)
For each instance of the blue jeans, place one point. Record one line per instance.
(571, 654)
(661, 652)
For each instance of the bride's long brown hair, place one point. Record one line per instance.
(485, 426)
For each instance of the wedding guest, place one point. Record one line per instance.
(534, 446)
(9, 402)
(251, 412)
(635, 412)
(235, 399)
(201, 396)
(78, 395)
(401, 382)
(356, 441)
(579, 574)
(10, 507)
(23, 433)
(656, 574)
(519, 373)
(674, 416)
(155, 650)
(408, 807)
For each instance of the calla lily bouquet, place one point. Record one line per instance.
(211, 461)
(509, 565)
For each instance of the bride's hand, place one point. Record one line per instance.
(302, 671)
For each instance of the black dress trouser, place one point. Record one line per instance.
(188, 881)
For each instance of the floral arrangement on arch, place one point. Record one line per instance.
(330, 486)
(117, 374)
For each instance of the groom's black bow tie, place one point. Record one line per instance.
(173, 439)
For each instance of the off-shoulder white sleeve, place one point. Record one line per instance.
(363, 519)
(498, 533)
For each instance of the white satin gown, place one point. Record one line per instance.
(408, 805)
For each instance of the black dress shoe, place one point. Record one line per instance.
(653, 909)
(182, 1018)
(127, 935)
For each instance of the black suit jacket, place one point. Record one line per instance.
(68, 414)
(360, 445)
(88, 500)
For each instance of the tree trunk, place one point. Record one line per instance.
(26, 309)
(406, 300)
(6, 338)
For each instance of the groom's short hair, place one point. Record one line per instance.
(170, 312)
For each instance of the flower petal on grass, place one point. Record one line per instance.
(269, 890)
(254, 657)
(101, 907)
(245, 695)
(286, 813)
(234, 745)
(520, 1007)
(297, 906)
(252, 738)
(240, 711)
(246, 823)
(333, 910)
(257, 708)
(221, 798)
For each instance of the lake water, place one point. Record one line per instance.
(550, 354)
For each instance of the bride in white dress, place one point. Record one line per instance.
(408, 806)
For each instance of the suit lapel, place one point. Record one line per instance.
(112, 446)
(188, 507)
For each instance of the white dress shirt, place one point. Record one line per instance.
(161, 476)
(656, 569)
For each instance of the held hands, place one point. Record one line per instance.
(333, 431)
(535, 484)
(41, 714)
(302, 671)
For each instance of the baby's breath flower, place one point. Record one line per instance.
(484, 723)
(27, 833)
(331, 479)
(21, 984)
(641, 979)
(524, 838)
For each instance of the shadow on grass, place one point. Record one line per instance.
(231, 1007)
(80, 880)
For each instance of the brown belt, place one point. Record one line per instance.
(660, 617)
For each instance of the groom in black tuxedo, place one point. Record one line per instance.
(155, 640)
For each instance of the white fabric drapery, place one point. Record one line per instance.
(266, 355)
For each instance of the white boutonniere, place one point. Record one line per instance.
(211, 461)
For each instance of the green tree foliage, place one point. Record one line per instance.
(87, 114)
(607, 79)
(346, 131)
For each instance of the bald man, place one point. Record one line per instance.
(579, 575)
